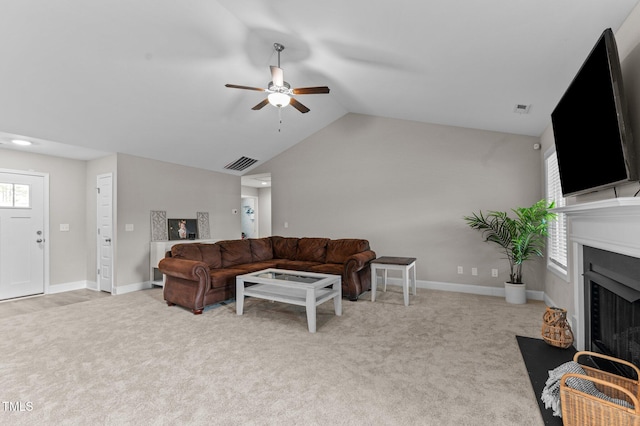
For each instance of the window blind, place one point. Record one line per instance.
(557, 240)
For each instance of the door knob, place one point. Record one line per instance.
(107, 240)
(39, 240)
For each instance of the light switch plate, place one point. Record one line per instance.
(64, 227)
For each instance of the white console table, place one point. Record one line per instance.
(157, 251)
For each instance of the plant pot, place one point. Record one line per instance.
(515, 293)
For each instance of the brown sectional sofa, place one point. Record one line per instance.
(201, 274)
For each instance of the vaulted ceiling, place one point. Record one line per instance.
(147, 77)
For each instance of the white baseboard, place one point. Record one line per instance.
(131, 287)
(92, 285)
(465, 288)
(430, 285)
(61, 288)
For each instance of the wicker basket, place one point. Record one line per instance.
(582, 409)
(556, 331)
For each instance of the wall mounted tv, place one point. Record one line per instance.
(593, 140)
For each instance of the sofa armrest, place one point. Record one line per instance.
(192, 270)
(358, 261)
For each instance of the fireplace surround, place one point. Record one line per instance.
(611, 225)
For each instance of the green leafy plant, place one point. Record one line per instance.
(520, 238)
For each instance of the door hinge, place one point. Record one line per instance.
(98, 190)
(98, 271)
(98, 231)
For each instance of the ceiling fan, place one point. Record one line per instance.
(280, 93)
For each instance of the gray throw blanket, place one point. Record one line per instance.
(551, 392)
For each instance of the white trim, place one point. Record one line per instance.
(466, 288)
(123, 289)
(612, 224)
(61, 288)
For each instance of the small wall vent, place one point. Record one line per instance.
(241, 163)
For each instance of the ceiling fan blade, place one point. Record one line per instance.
(260, 105)
(277, 76)
(310, 90)
(235, 86)
(297, 105)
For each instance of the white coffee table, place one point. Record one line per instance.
(308, 289)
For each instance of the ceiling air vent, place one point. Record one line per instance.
(241, 163)
(522, 109)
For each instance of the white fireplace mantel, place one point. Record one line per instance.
(612, 225)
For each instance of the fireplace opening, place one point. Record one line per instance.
(612, 303)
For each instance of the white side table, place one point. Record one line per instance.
(405, 264)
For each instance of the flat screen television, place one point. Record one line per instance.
(593, 140)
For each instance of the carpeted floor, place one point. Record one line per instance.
(447, 359)
(539, 358)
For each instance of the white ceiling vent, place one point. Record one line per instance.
(522, 109)
(241, 163)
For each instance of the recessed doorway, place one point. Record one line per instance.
(255, 205)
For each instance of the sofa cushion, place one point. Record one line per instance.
(339, 250)
(235, 252)
(261, 249)
(190, 251)
(211, 255)
(284, 247)
(312, 249)
(295, 265)
(328, 268)
(256, 266)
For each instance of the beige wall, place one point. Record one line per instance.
(66, 205)
(559, 291)
(405, 187)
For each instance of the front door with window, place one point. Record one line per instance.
(22, 239)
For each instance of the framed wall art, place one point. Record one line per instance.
(182, 229)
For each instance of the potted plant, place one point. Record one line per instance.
(519, 238)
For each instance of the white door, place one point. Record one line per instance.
(22, 239)
(105, 232)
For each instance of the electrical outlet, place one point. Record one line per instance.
(474, 271)
(494, 272)
(460, 270)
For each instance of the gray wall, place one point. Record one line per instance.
(140, 185)
(144, 185)
(405, 187)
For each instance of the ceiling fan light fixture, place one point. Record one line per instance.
(278, 99)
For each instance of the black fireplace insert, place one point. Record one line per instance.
(612, 306)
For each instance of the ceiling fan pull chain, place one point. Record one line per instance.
(279, 119)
